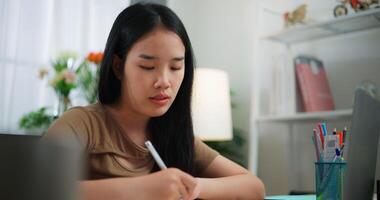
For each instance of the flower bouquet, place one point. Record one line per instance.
(67, 76)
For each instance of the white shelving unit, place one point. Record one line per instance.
(321, 33)
(357, 22)
(314, 116)
(346, 24)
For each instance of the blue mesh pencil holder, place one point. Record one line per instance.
(329, 180)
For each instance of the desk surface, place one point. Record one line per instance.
(291, 197)
(297, 197)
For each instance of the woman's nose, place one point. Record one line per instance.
(162, 81)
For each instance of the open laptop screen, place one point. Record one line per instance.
(362, 144)
(37, 170)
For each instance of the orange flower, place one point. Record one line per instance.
(90, 56)
(95, 57)
(99, 57)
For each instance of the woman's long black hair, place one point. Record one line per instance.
(171, 133)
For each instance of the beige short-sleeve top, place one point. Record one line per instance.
(110, 153)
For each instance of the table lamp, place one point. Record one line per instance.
(211, 105)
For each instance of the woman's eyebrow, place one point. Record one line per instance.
(148, 57)
(178, 58)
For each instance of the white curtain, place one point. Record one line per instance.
(34, 32)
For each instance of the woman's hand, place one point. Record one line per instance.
(168, 184)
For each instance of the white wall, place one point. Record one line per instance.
(221, 32)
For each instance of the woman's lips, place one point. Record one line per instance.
(160, 101)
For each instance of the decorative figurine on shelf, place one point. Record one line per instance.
(357, 5)
(296, 16)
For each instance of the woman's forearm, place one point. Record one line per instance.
(245, 186)
(163, 185)
(110, 189)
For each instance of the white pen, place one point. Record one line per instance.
(155, 155)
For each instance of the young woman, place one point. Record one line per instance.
(144, 94)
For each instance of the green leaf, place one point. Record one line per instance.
(88, 77)
(38, 119)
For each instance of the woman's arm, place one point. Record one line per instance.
(227, 180)
(169, 184)
(112, 189)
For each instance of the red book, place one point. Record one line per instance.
(313, 84)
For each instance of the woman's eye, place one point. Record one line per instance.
(176, 68)
(146, 67)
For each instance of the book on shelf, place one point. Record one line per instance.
(282, 95)
(312, 85)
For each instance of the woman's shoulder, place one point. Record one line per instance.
(80, 122)
(204, 155)
(202, 149)
(89, 110)
(83, 114)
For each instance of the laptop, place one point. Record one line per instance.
(37, 170)
(363, 137)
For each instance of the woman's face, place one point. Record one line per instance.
(153, 73)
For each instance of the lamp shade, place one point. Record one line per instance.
(211, 105)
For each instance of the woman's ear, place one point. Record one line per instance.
(116, 67)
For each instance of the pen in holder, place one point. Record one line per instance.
(329, 180)
(378, 189)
